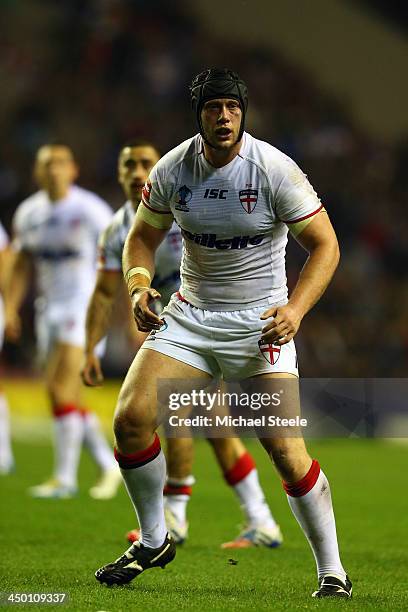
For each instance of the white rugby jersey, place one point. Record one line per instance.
(234, 220)
(167, 259)
(62, 239)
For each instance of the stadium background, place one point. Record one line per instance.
(327, 86)
(96, 73)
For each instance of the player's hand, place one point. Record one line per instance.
(91, 371)
(12, 327)
(146, 320)
(286, 322)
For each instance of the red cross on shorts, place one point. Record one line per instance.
(248, 201)
(270, 349)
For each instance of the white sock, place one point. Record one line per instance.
(177, 493)
(314, 513)
(252, 500)
(145, 487)
(96, 442)
(68, 442)
(6, 454)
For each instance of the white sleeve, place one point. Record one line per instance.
(295, 198)
(3, 238)
(109, 250)
(102, 216)
(19, 242)
(155, 206)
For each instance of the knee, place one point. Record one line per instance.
(131, 422)
(59, 394)
(290, 459)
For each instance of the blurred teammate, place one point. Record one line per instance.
(6, 455)
(57, 230)
(134, 165)
(235, 198)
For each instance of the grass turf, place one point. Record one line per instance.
(55, 546)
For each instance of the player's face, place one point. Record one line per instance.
(55, 169)
(134, 167)
(221, 121)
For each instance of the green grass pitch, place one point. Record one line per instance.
(55, 546)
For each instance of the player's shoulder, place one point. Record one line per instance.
(30, 206)
(267, 157)
(92, 199)
(121, 221)
(171, 160)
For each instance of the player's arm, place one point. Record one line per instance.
(97, 322)
(319, 240)
(138, 266)
(5, 262)
(17, 283)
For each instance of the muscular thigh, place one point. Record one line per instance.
(138, 396)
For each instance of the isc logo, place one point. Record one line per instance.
(215, 194)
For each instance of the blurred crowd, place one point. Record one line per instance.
(94, 73)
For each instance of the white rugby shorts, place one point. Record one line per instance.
(226, 343)
(62, 324)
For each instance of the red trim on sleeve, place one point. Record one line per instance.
(135, 460)
(305, 217)
(244, 465)
(159, 212)
(146, 190)
(306, 484)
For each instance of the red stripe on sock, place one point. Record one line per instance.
(128, 462)
(63, 409)
(181, 490)
(306, 484)
(240, 470)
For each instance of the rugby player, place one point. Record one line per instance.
(135, 162)
(57, 229)
(235, 198)
(6, 454)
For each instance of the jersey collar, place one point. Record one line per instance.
(242, 152)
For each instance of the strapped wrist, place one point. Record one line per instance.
(133, 281)
(137, 270)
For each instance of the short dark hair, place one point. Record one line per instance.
(57, 143)
(139, 142)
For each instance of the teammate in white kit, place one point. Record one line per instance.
(57, 231)
(235, 198)
(6, 454)
(135, 162)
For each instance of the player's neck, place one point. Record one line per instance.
(57, 193)
(221, 157)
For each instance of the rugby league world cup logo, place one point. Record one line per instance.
(185, 194)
